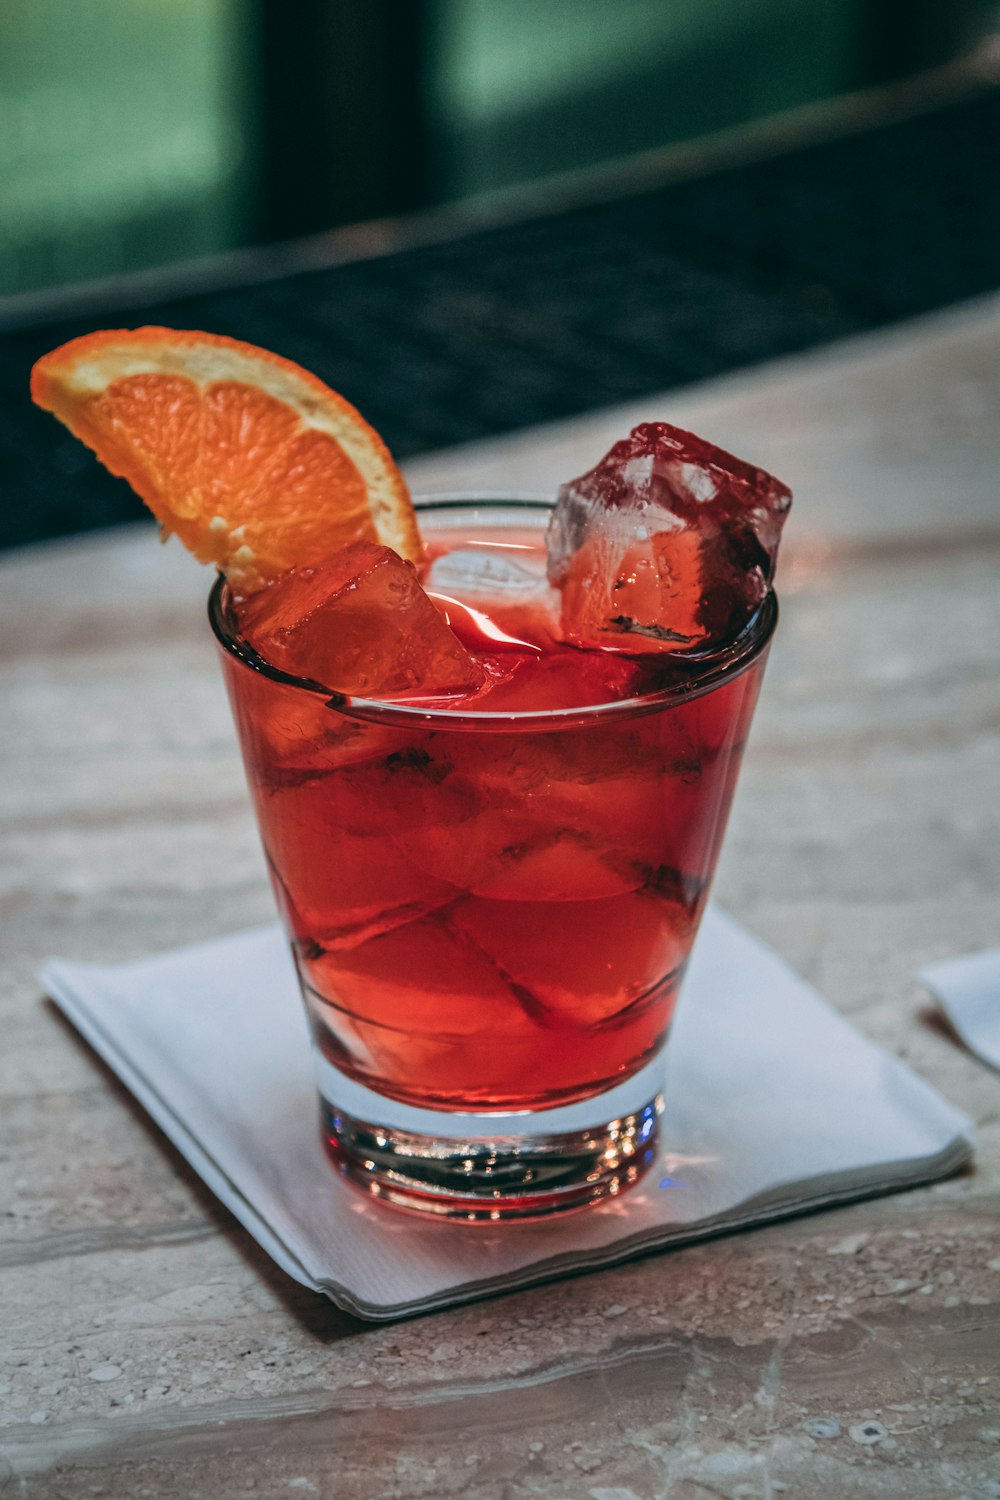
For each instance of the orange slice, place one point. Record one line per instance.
(254, 462)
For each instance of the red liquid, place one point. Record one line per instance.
(494, 917)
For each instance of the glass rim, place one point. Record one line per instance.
(718, 665)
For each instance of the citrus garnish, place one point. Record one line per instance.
(253, 462)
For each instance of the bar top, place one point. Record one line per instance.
(150, 1348)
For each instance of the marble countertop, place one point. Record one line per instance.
(149, 1348)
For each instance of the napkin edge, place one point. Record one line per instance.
(752, 1214)
(59, 988)
(940, 978)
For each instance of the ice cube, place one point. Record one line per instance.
(585, 961)
(488, 575)
(429, 1014)
(421, 978)
(370, 887)
(497, 597)
(669, 544)
(359, 622)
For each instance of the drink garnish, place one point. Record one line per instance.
(253, 462)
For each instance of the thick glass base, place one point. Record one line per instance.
(489, 1167)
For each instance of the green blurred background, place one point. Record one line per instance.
(134, 133)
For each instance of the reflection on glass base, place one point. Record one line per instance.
(491, 1167)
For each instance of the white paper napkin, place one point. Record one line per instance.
(969, 992)
(774, 1105)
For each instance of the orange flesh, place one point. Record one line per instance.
(252, 461)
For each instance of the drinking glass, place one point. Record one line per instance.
(490, 913)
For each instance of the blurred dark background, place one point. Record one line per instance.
(139, 134)
(134, 132)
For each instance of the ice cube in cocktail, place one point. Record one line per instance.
(668, 544)
(360, 619)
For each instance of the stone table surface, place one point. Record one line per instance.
(149, 1348)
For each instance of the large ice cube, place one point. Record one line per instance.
(669, 544)
(359, 622)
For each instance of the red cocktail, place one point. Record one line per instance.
(491, 900)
